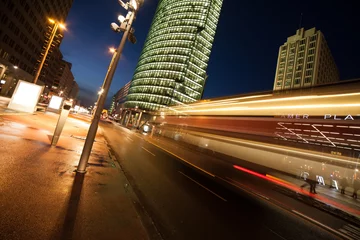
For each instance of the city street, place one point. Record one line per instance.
(187, 205)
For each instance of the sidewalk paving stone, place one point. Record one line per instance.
(42, 197)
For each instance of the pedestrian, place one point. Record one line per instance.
(344, 184)
(306, 178)
(356, 188)
(311, 180)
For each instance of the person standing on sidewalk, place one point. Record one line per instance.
(356, 188)
(344, 184)
(311, 180)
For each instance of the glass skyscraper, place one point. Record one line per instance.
(172, 66)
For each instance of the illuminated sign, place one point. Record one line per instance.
(55, 102)
(326, 116)
(348, 117)
(25, 97)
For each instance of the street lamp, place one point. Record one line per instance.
(125, 26)
(53, 33)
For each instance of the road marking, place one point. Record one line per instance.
(193, 165)
(244, 189)
(202, 186)
(322, 225)
(129, 139)
(275, 233)
(148, 151)
(351, 231)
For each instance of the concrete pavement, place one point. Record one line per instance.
(41, 197)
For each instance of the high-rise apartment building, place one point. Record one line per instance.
(65, 78)
(74, 90)
(305, 60)
(172, 66)
(24, 32)
(120, 97)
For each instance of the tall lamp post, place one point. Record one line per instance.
(53, 33)
(125, 26)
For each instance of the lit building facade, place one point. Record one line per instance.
(24, 33)
(305, 60)
(172, 66)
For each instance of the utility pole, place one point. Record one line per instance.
(126, 27)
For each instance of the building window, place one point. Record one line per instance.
(11, 43)
(4, 19)
(308, 80)
(6, 38)
(297, 81)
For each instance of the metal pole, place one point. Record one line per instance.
(106, 85)
(53, 33)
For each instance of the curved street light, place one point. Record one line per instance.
(53, 33)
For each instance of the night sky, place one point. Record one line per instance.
(245, 49)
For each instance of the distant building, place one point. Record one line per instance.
(65, 78)
(305, 60)
(120, 98)
(24, 33)
(173, 63)
(74, 90)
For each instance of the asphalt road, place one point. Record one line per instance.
(184, 203)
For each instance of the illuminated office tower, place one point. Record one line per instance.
(305, 60)
(172, 66)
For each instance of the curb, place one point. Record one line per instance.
(320, 205)
(146, 219)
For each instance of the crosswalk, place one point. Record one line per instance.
(351, 231)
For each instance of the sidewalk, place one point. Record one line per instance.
(339, 204)
(41, 197)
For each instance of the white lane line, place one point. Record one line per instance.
(243, 188)
(351, 229)
(322, 225)
(275, 233)
(148, 151)
(202, 186)
(129, 139)
(348, 233)
(352, 226)
(193, 165)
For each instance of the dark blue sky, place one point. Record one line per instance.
(244, 53)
